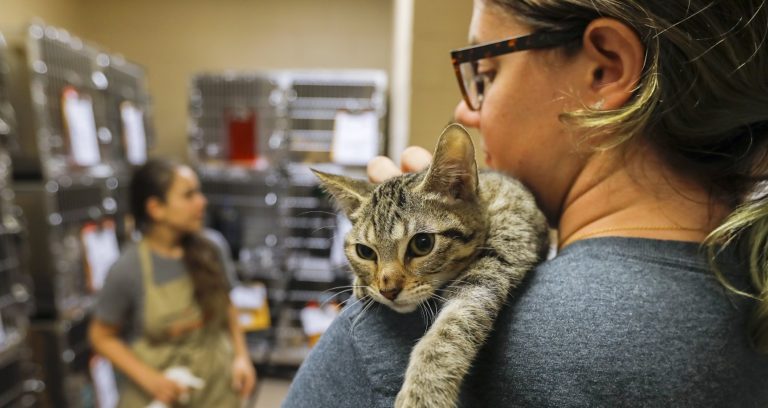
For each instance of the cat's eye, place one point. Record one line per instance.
(421, 244)
(365, 252)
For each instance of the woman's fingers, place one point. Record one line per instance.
(382, 168)
(415, 159)
(243, 377)
(248, 384)
(236, 380)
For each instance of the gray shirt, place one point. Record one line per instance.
(120, 301)
(609, 322)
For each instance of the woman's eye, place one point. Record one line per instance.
(486, 76)
(365, 252)
(421, 244)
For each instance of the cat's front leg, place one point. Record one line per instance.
(442, 358)
(432, 379)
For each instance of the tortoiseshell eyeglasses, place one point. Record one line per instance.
(465, 60)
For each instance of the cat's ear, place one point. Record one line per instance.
(349, 193)
(453, 171)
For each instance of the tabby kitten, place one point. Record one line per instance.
(466, 239)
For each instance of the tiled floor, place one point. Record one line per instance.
(271, 392)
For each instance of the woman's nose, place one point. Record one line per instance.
(466, 116)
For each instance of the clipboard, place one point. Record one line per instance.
(80, 127)
(104, 383)
(355, 137)
(100, 251)
(134, 136)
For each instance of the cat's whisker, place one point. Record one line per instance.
(363, 299)
(450, 291)
(325, 302)
(423, 314)
(330, 227)
(425, 318)
(344, 287)
(356, 301)
(432, 314)
(317, 212)
(362, 312)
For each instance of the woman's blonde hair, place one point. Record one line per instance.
(702, 100)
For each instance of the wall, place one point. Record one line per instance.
(174, 39)
(438, 27)
(15, 14)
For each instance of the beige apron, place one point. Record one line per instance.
(174, 335)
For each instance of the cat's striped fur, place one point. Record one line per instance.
(486, 234)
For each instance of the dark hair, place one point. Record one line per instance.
(154, 179)
(702, 101)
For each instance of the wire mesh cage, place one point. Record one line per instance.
(66, 132)
(18, 386)
(254, 137)
(127, 110)
(236, 119)
(320, 102)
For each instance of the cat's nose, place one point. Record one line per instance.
(390, 294)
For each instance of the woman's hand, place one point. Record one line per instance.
(243, 376)
(163, 389)
(412, 160)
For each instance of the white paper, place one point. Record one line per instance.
(245, 319)
(81, 126)
(133, 133)
(248, 297)
(316, 320)
(343, 226)
(101, 251)
(355, 138)
(104, 382)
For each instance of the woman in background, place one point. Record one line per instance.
(641, 127)
(167, 297)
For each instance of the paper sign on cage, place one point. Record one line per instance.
(101, 251)
(80, 126)
(104, 383)
(355, 138)
(134, 137)
(252, 306)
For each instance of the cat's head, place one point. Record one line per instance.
(414, 233)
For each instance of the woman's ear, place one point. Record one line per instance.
(155, 208)
(617, 58)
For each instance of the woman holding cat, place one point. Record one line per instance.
(168, 297)
(641, 128)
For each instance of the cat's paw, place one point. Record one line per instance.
(407, 399)
(410, 397)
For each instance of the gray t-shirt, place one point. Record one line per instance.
(609, 322)
(121, 300)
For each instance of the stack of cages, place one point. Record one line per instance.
(128, 117)
(237, 139)
(336, 124)
(255, 137)
(18, 384)
(69, 170)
